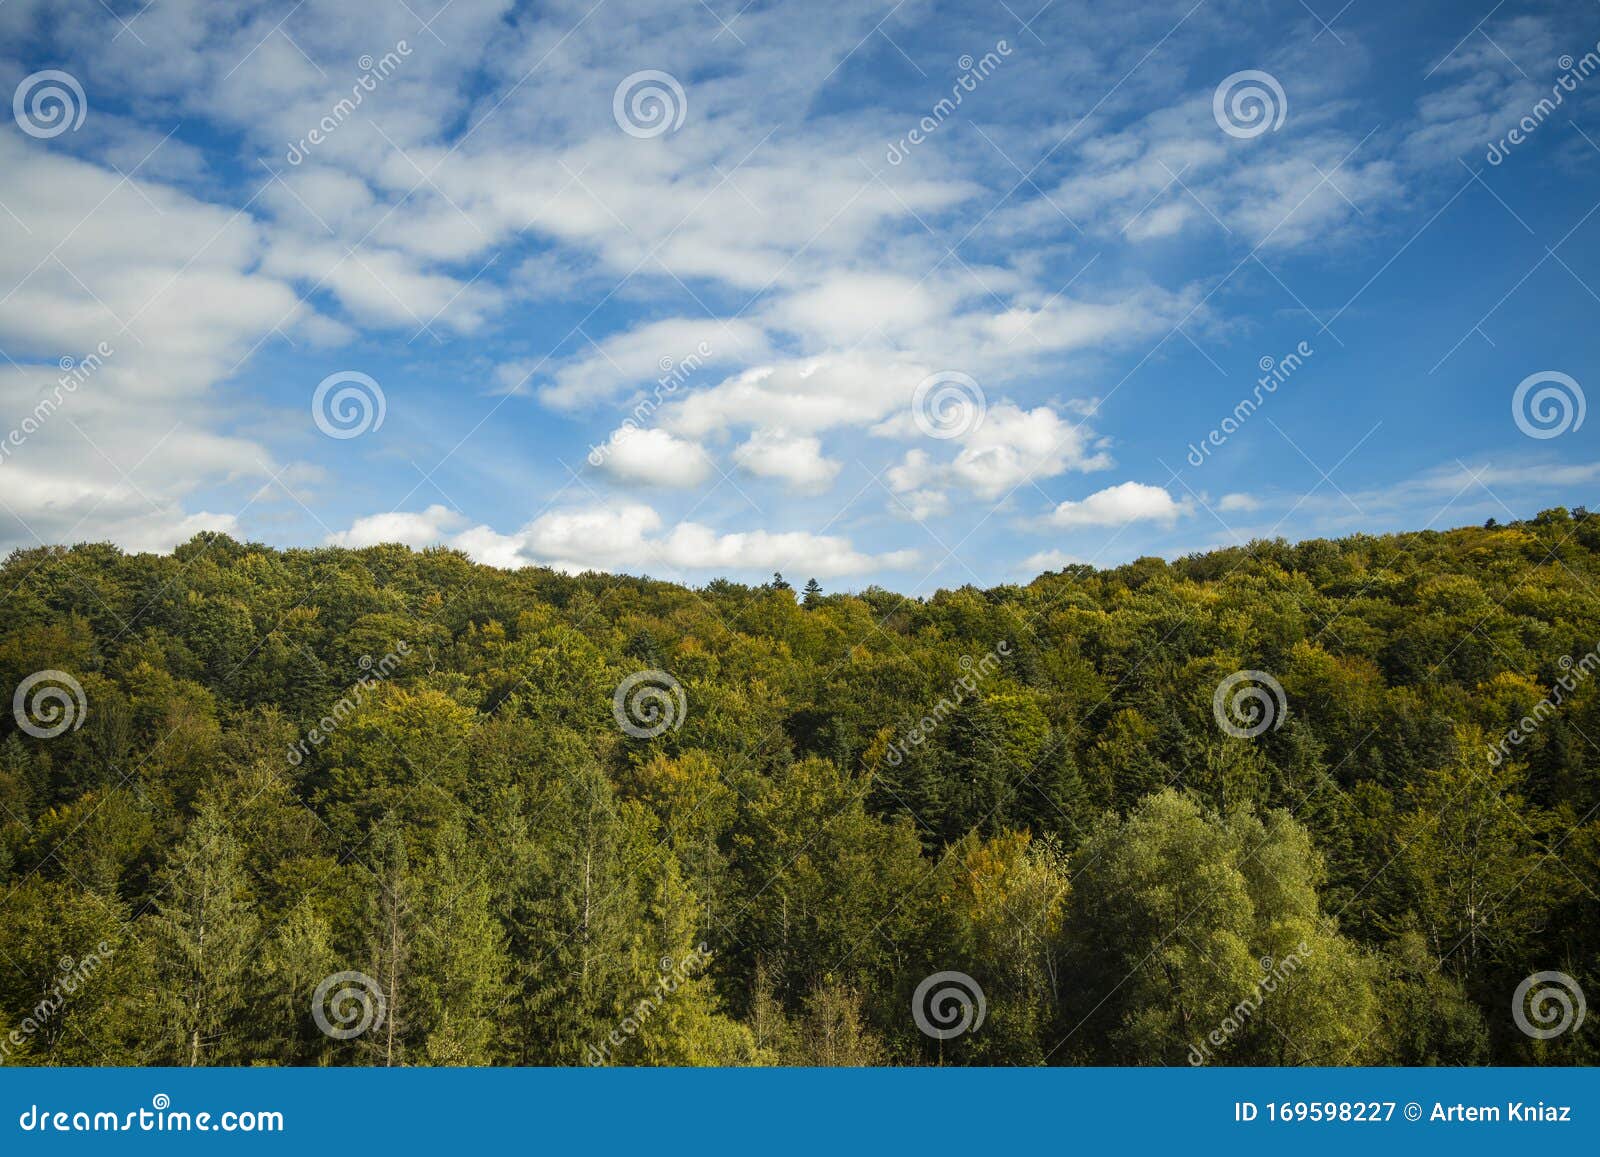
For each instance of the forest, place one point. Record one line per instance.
(1325, 803)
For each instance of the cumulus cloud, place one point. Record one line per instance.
(1009, 448)
(654, 458)
(1118, 506)
(1013, 445)
(630, 538)
(1048, 560)
(797, 461)
(416, 529)
(803, 396)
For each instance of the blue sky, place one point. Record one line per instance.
(905, 339)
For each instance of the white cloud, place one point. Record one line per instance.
(1013, 445)
(654, 458)
(1118, 506)
(380, 286)
(920, 505)
(1479, 92)
(1173, 172)
(914, 485)
(1049, 560)
(165, 292)
(803, 396)
(625, 538)
(1009, 448)
(430, 527)
(797, 461)
(1229, 503)
(672, 351)
(851, 306)
(916, 470)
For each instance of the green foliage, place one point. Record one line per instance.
(306, 763)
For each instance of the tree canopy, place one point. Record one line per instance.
(521, 817)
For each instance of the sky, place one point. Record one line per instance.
(908, 294)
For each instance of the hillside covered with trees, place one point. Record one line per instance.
(375, 806)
